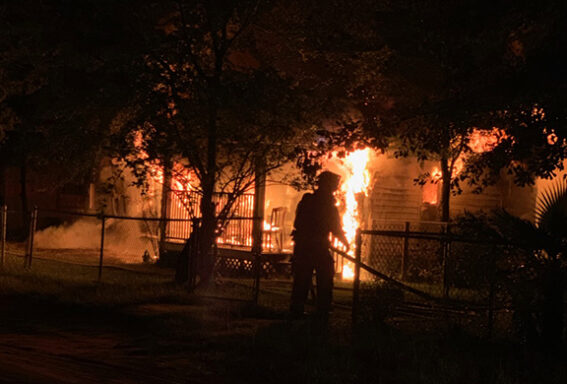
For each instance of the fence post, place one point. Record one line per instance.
(258, 224)
(356, 281)
(165, 204)
(257, 272)
(32, 234)
(405, 253)
(27, 251)
(3, 240)
(446, 248)
(29, 246)
(490, 324)
(193, 254)
(103, 220)
(491, 293)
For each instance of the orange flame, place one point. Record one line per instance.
(480, 141)
(348, 272)
(355, 183)
(485, 141)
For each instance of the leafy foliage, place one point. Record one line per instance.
(551, 217)
(429, 73)
(534, 262)
(64, 75)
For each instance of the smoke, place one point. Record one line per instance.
(84, 233)
(126, 239)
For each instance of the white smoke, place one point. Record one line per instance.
(128, 240)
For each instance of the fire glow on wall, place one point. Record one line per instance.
(479, 141)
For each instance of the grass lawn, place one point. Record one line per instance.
(59, 325)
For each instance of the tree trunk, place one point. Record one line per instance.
(258, 223)
(445, 189)
(164, 208)
(259, 201)
(209, 219)
(207, 232)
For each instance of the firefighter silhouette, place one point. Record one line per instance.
(316, 218)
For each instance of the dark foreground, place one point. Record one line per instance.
(46, 342)
(132, 329)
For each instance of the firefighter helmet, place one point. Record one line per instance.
(328, 180)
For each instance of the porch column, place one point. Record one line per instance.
(165, 191)
(258, 224)
(259, 201)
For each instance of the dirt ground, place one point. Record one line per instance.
(59, 325)
(41, 343)
(212, 341)
(48, 342)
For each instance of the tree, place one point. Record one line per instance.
(527, 99)
(328, 47)
(64, 73)
(430, 73)
(215, 103)
(18, 80)
(405, 73)
(538, 273)
(473, 51)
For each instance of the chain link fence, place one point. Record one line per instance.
(401, 270)
(109, 241)
(425, 271)
(78, 238)
(426, 256)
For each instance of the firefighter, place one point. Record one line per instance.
(316, 217)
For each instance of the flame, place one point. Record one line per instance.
(181, 176)
(355, 183)
(179, 186)
(436, 174)
(348, 272)
(270, 228)
(429, 189)
(479, 141)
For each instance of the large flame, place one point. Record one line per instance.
(354, 184)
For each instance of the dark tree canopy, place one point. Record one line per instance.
(429, 73)
(210, 80)
(65, 68)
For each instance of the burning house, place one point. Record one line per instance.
(378, 191)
